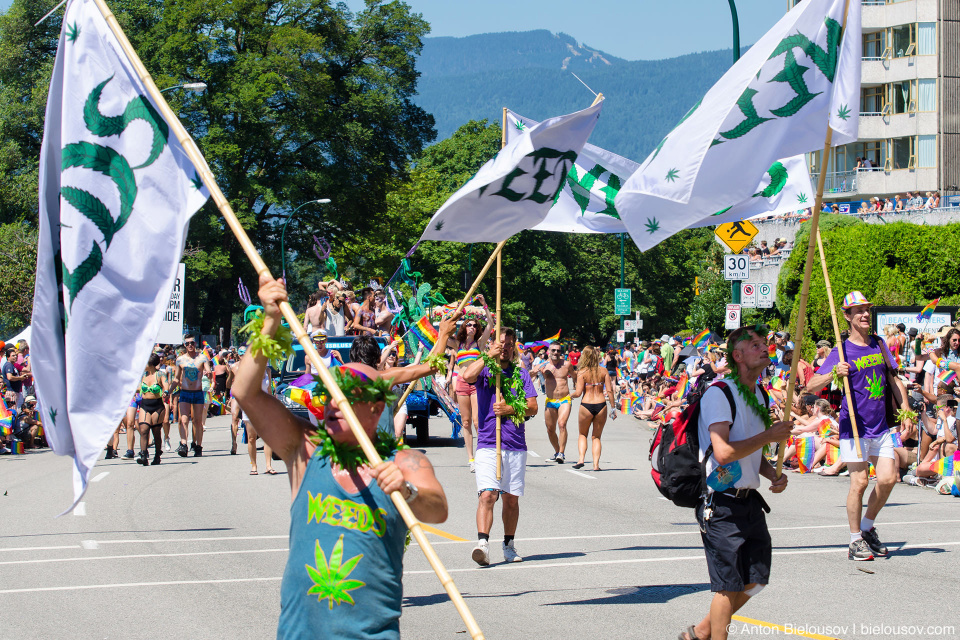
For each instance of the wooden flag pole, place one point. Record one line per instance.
(807, 270)
(503, 143)
(836, 333)
(260, 266)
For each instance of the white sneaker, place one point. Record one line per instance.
(472, 467)
(166, 444)
(481, 553)
(510, 554)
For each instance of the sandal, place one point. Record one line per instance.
(689, 634)
(579, 465)
(271, 472)
(254, 472)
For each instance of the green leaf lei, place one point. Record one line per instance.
(749, 397)
(837, 378)
(437, 361)
(904, 414)
(511, 388)
(275, 348)
(358, 388)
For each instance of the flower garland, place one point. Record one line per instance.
(837, 378)
(749, 397)
(357, 387)
(511, 388)
(275, 348)
(904, 414)
(438, 362)
(351, 457)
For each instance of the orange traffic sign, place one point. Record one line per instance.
(737, 235)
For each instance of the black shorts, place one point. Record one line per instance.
(736, 542)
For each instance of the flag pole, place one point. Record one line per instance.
(503, 143)
(836, 333)
(261, 268)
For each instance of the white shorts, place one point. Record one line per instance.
(881, 447)
(513, 468)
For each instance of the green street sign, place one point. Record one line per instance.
(621, 302)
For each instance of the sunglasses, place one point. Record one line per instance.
(189, 344)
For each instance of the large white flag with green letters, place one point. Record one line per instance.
(777, 101)
(587, 202)
(514, 190)
(116, 195)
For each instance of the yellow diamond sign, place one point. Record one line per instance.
(736, 235)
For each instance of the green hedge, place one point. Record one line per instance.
(892, 264)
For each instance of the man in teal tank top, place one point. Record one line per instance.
(344, 571)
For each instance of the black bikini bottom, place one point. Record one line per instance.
(593, 407)
(152, 406)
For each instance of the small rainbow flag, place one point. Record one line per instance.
(702, 338)
(945, 466)
(536, 345)
(928, 310)
(687, 341)
(896, 438)
(806, 448)
(626, 402)
(824, 427)
(772, 352)
(833, 455)
(946, 378)
(426, 333)
(6, 417)
(684, 385)
(313, 404)
(17, 447)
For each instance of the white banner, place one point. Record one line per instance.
(171, 328)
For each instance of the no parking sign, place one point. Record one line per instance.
(732, 319)
(748, 295)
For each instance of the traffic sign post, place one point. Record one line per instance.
(621, 302)
(732, 318)
(748, 295)
(621, 336)
(736, 235)
(765, 295)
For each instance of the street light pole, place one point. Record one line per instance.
(621, 274)
(196, 87)
(283, 233)
(735, 285)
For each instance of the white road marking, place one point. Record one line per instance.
(142, 555)
(213, 538)
(89, 544)
(580, 473)
(533, 453)
(140, 584)
(80, 509)
(100, 476)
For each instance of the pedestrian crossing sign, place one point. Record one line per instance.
(737, 235)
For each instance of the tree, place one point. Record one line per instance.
(18, 264)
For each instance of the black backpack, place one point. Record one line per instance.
(675, 454)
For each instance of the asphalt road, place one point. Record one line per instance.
(194, 548)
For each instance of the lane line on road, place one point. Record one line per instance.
(100, 476)
(580, 473)
(782, 629)
(80, 509)
(533, 453)
(139, 584)
(442, 534)
(142, 555)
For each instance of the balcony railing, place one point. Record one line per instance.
(837, 182)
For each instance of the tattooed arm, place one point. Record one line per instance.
(412, 466)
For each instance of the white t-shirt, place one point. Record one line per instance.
(714, 407)
(952, 422)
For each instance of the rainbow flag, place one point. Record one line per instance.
(6, 417)
(684, 385)
(536, 345)
(426, 333)
(687, 341)
(626, 403)
(806, 449)
(701, 339)
(946, 378)
(772, 352)
(945, 466)
(824, 427)
(833, 455)
(313, 404)
(928, 310)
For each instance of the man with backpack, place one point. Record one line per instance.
(733, 426)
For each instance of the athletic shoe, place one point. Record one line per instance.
(559, 458)
(182, 450)
(197, 451)
(481, 553)
(166, 444)
(4, 451)
(909, 479)
(553, 458)
(128, 454)
(859, 550)
(473, 468)
(510, 553)
(873, 540)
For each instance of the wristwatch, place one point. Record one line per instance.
(412, 488)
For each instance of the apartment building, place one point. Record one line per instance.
(909, 101)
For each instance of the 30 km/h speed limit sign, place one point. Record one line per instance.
(732, 319)
(748, 295)
(736, 267)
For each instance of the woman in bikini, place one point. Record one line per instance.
(592, 381)
(469, 341)
(151, 411)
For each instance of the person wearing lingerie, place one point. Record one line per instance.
(593, 383)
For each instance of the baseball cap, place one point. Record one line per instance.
(824, 343)
(855, 299)
(29, 399)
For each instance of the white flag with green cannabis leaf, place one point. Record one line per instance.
(587, 202)
(777, 101)
(515, 189)
(116, 194)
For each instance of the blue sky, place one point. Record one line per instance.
(631, 29)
